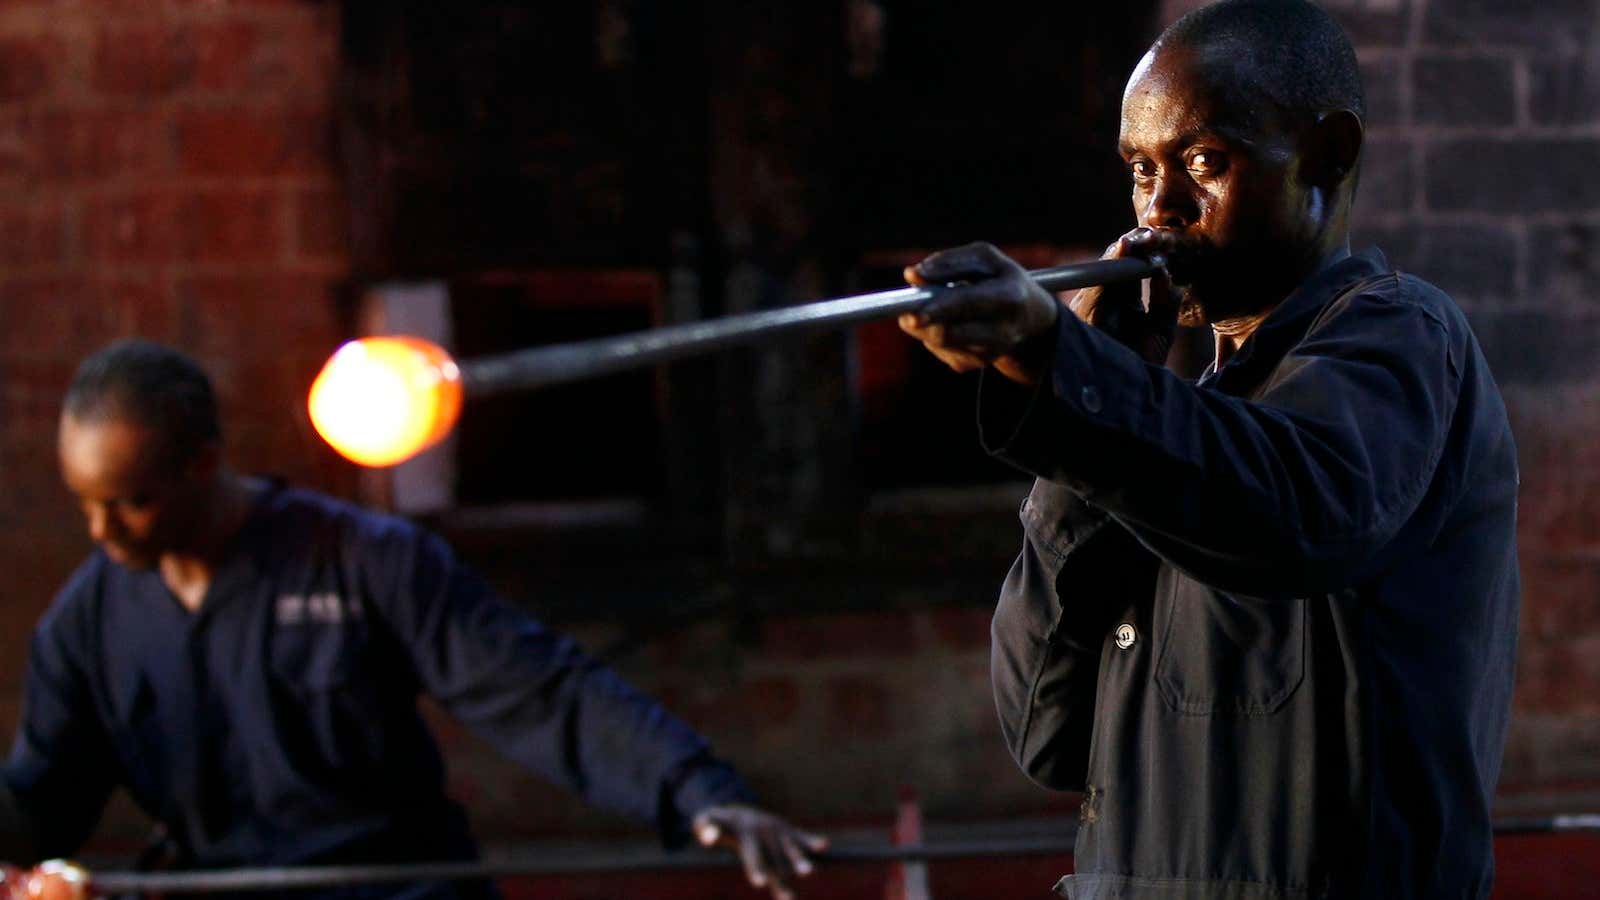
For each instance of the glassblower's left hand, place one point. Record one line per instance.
(989, 313)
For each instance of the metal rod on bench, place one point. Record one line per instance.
(289, 877)
(306, 877)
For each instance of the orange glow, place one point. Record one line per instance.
(55, 879)
(382, 400)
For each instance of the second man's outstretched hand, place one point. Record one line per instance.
(774, 852)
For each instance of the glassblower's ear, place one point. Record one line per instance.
(1332, 148)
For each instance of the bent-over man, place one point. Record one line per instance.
(245, 658)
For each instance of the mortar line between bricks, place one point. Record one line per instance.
(176, 184)
(77, 97)
(1522, 94)
(1522, 261)
(1450, 52)
(1561, 52)
(82, 192)
(1584, 556)
(102, 269)
(1407, 94)
(1478, 218)
(1418, 14)
(1418, 153)
(1382, 53)
(289, 223)
(1499, 134)
(1552, 400)
(826, 665)
(44, 21)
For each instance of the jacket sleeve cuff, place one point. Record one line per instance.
(1005, 409)
(700, 783)
(1093, 389)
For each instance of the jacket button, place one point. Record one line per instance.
(1126, 635)
(1091, 398)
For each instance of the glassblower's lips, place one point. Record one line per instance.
(1179, 257)
(1183, 264)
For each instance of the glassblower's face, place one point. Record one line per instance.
(1209, 165)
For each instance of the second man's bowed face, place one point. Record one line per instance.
(136, 505)
(1211, 165)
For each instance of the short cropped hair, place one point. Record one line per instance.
(1297, 55)
(151, 385)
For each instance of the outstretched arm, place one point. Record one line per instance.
(543, 702)
(1297, 491)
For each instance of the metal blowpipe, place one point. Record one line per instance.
(381, 400)
(543, 366)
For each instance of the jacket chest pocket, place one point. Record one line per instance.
(327, 704)
(313, 659)
(1227, 654)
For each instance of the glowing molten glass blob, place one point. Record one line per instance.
(52, 880)
(58, 879)
(382, 400)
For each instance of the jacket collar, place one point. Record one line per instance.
(1286, 326)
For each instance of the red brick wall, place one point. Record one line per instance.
(1482, 135)
(167, 170)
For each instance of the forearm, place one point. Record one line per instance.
(639, 758)
(546, 704)
(1291, 492)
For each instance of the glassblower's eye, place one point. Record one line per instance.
(1205, 162)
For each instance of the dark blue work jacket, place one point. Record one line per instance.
(279, 724)
(1267, 623)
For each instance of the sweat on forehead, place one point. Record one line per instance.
(1213, 92)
